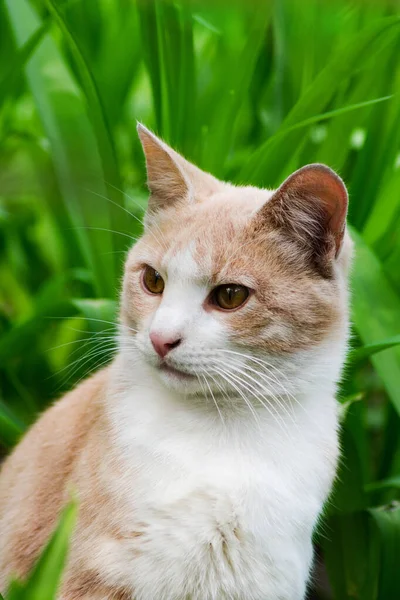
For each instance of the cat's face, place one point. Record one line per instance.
(228, 286)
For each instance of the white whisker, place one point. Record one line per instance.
(105, 229)
(241, 368)
(81, 340)
(87, 357)
(115, 203)
(229, 381)
(256, 394)
(219, 386)
(164, 241)
(213, 397)
(266, 365)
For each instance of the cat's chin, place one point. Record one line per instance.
(177, 380)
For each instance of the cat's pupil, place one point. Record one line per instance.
(152, 280)
(229, 297)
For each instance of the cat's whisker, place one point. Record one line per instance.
(163, 240)
(109, 346)
(115, 203)
(117, 326)
(277, 399)
(256, 394)
(124, 193)
(268, 393)
(97, 343)
(96, 366)
(256, 359)
(215, 402)
(204, 391)
(165, 243)
(229, 381)
(128, 328)
(238, 363)
(263, 400)
(105, 229)
(137, 218)
(88, 355)
(219, 386)
(140, 221)
(84, 318)
(93, 333)
(279, 374)
(286, 392)
(92, 338)
(268, 366)
(105, 355)
(230, 378)
(241, 368)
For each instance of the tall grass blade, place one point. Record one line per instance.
(77, 163)
(370, 287)
(44, 581)
(19, 62)
(387, 521)
(371, 349)
(267, 165)
(100, 126)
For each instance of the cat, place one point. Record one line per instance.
(202, 456)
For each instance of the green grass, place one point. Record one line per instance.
(43, 581)
(250, 91)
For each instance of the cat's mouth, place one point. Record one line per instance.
(174, 372)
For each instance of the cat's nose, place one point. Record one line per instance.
(163, 344)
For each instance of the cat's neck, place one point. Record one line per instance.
(138, 403)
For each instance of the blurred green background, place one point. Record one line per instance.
(249, 91)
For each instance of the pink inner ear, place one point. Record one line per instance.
(320, 182)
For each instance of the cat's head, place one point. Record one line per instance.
(232, 287)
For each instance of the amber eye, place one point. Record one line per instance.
(152, 280)
(230, 296)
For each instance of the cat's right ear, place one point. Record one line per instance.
(172, 179)
(165, 177)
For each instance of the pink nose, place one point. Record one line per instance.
(163, 344)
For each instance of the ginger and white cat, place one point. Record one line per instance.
(203, 455)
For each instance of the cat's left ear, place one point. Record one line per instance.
(171, 178)
(311, 207)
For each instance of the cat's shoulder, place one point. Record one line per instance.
(71, 415)
(35, 475)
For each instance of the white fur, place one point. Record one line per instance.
(222, 503)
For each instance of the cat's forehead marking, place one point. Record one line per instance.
(180, 263)
(203, 240)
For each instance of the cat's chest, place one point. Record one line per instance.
(199, 488)
(195, 474)
(211, 518)
(200, 496)
(192, 498)
(210, 527)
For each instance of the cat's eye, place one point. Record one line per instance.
(230, 296)
(152, 280)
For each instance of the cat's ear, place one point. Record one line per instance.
(171, 178)
(311, 207)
